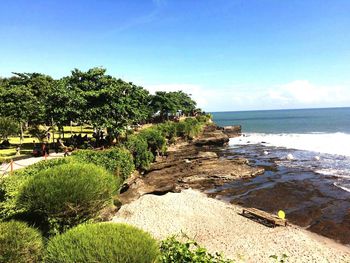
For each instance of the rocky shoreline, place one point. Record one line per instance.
(193, 165)
(197, 165)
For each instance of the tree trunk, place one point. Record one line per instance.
(21, 137)
(53, 130)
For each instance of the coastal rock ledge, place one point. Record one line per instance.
(212, 136)
(233, 131)
(193, 165)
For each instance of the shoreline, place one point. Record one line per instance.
(220, 228)
(192, 166)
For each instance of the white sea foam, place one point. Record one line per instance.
(331, 143)
(345, 187)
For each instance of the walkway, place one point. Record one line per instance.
(6, 167)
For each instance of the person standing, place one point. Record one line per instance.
(47, 148)
(57, 145)
(43, 149)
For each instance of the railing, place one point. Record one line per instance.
(8, 168)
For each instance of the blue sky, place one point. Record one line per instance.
(230, 55)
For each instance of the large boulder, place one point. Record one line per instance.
(233, 131)
(212, 136)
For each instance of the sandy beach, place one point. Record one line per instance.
(220, 228)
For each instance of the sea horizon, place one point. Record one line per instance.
(281, 109)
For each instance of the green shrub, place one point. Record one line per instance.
(189, 128)
(173, 250)
(68, 194)
(118, 161)
(155, 140)
(103, 242)
(168, 129)
(10, 188)
(19, 243)
(138, 147)
(203, 118)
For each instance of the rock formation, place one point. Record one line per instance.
(233, 131)
(195, 165)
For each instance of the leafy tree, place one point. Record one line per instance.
(90, 97)
(39, 132)
(169, 103)
(8, 127)
(23, 97)
(184, 102)
(65, 104)
(162, 103)
(38, 86)
(108, 102)
(17, 102)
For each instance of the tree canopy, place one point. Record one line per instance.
(90, 97)
(8, 127)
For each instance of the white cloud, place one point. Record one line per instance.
(295, 94)
(306, 93)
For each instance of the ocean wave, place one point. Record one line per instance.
(330, 143)
(345, 187)
(334, 172)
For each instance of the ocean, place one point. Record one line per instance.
(314, 132)
(306, 156)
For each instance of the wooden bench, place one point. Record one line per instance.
(273, 219)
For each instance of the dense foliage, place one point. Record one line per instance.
(8, 127)
(168, 129)
(103, 242)
(155, 140)
(118, 161)
(19, 243)
(138, 147)
(67, 195)
(173, 250)
(170, 103)
(189, 128)
(10, 188)
(90, 97)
